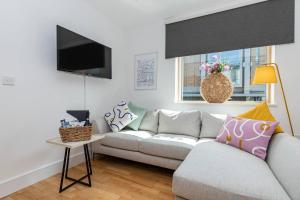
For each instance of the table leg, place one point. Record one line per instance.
(64, 174)
(63, 170)
(87, 163)
(68, 160)
(88, 158)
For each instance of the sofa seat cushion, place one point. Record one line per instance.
(168, 145)
(215, 171)
(128, 140)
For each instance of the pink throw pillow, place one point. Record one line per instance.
(248, 135)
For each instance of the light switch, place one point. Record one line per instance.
(8, 80)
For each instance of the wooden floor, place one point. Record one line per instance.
(112, 179)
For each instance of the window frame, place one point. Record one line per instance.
(179, 81)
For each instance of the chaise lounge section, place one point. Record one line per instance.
(216, 171)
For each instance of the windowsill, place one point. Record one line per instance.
(228, 103)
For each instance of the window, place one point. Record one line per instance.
(242, 63)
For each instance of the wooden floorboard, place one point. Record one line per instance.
(112, 179)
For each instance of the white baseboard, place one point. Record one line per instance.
(26, 179)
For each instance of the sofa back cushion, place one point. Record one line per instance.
(211, 124)
(261, 112)
(180, 122)
(139, 112)
(284, 160)
(150, 121)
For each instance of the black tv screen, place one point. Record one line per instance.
(80, 55)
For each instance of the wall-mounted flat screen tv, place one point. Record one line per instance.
(80, 55)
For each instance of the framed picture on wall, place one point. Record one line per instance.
(145, 71)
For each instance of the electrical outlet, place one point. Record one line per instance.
(8, 80)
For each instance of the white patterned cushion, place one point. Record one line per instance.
(119, 117)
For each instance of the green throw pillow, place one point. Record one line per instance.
(140, 112)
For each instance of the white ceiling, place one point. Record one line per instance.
(130, 13)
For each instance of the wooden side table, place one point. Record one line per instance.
(72, 145)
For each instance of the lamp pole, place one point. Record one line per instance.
(284, 97)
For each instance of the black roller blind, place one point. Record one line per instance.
(267, 23)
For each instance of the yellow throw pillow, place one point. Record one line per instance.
(261, 112)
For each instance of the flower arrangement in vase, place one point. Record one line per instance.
(215, 67)
(216, 87)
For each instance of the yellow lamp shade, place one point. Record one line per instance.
(265, 74)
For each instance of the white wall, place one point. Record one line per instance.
(30, 111)
(151, 38)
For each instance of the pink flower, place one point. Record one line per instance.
(215, 66)
(227, 68)
(205, 67)
(209, 70)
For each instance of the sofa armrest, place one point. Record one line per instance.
(284, 160)
(99, 127)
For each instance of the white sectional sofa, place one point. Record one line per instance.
(206, 169)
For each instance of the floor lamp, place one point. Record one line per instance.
(266, 74)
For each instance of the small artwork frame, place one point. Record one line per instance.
(145, 71)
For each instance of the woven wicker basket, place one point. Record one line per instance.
(216, 88)
(75, 134)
